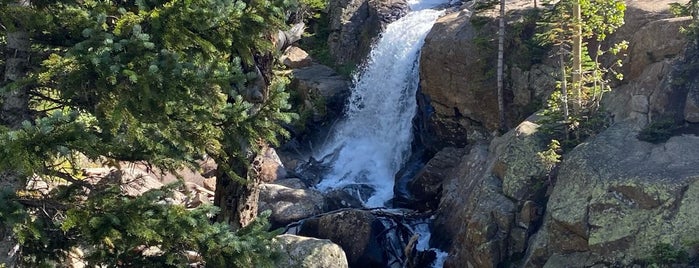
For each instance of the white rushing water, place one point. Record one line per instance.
(372, 142)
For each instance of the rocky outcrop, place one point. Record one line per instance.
(617, 198)
(356, 231)
(492, 200)
(457, 71)
(306, 252)
(647, 93)
(355, 23)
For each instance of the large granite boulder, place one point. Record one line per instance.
(356, 231)
(355, 23)
(617, 198)
(307, 252)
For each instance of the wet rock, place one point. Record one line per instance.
(426, 186)
(356, 231)
(339, 199)
(306, 252)
(355, 23)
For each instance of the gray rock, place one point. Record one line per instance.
(489, 205)
(288, 204)
(356, 231)
(617, 197)
(306, 252)
(691, 107)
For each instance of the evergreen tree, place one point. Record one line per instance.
(571, 26)
(165, 82)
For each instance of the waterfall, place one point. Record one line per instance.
(369, 146)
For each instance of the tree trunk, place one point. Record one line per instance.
(577, 57)
(238, 199)
(501, 52)
(13, 111)
(15, 104)
(564, 90)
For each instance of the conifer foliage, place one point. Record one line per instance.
(161, 81)
(578, 30)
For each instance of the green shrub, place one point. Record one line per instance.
(664, 253)
(659, 131)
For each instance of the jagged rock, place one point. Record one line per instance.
(490, 202)
(356, 231)
(517, 165)
(295, 57)
(617, 197)
(289, 204)
(355, 23)
(426, 186)
(306, 252)
(134, 182)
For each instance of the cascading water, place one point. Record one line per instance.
(370, 145)
(373, 141)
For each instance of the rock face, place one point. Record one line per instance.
(356, 231)
(647, 93)
(306, 252)
(320, 84)
(458, 77)
(491, 201)
(617, 197)
(355, 23)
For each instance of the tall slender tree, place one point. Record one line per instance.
(577, 48)
(501, 52)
